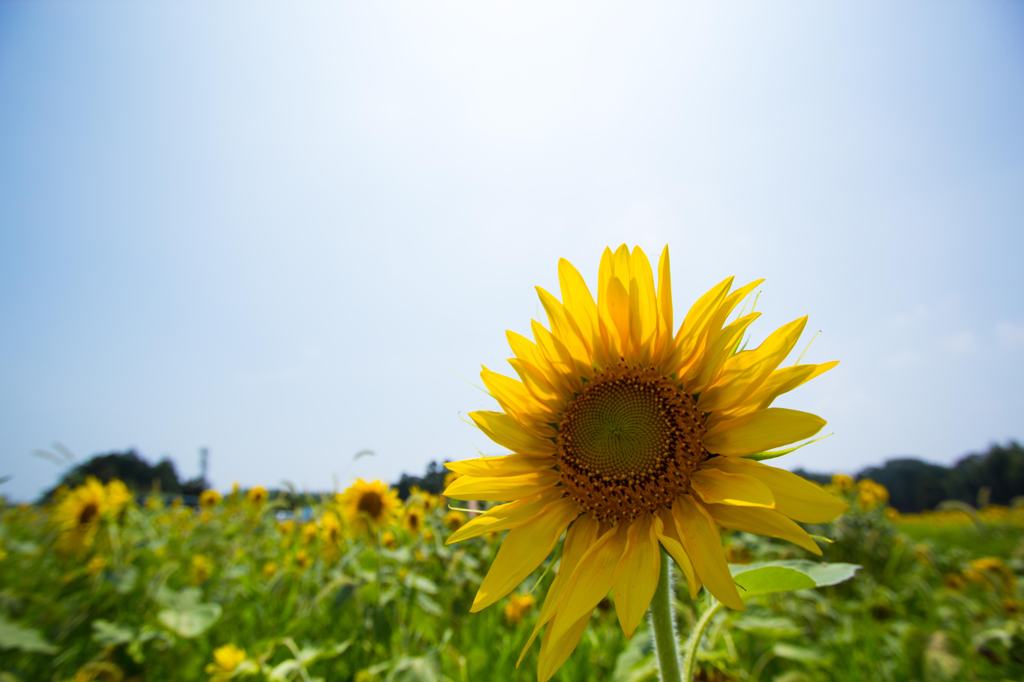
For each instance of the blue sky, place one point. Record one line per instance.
(293, 234)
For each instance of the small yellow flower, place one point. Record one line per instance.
(419, 496)
(871, 494)
(98, 671)
(209, 499)
(517, 607)
(454, 519)
(413, 519)
(202, 568)
(842, 483)
(286, 527)
(118, 497)
(309, 532)
(96, 565)
(226, 660)
(368, 504)
(991, 572)
(269, 570)
(83, 506)
(257, 495)
(387, 539)
(330, 528)
(892, 513)
(302, 559)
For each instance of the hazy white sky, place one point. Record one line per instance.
(292, 233)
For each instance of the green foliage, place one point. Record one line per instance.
(394, 605)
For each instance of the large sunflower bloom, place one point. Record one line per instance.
(629, 435)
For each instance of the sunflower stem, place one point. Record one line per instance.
(663, 622)
(693, 643)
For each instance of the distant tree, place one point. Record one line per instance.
(138, 474)
(997, 475)
(432, 481)
(813, 476)
(999, 470)
(913, 485)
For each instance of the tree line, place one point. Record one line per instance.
(995, 476)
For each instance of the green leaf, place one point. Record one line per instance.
(635, 664)
(191, 621)
(422, 584)
(429, 605)
(823, 574)
(799, 653)
(775, 627)
(788, 576)
(15, 636)
(111, 634)
(769, 579)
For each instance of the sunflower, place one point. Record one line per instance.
(413, 519)
(81, 507)
(368, 504)
(78, 514)
(226, 661)
(257, 495)
(630, 436)
(208, 499)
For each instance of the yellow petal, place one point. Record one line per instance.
(742, 373)
(537, 382)
(795, 497)
(523, 549)
(554, 651)
(665, 294)
(580, 537)
(718, 487)
(760, 431)
(704, 547)
(577, 299)
(501, 517)
(721, 349)
(647, 303)
(513, 397)
(564, 326)
(782, 381)
(500, 488)
(673, 544)
(695, 323)
(506, 431)
(638, 574)
(506, 465)
(762, 522)
(692, 366)
(591, 580)
(556, 353)
(616, 299)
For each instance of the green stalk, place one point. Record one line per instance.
(664, 625)
(693, 643)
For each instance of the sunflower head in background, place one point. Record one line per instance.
(631, 435)
(368, 505)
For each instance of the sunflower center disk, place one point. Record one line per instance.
(371, 504)
(628, 443)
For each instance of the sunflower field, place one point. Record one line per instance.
(361, 586)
